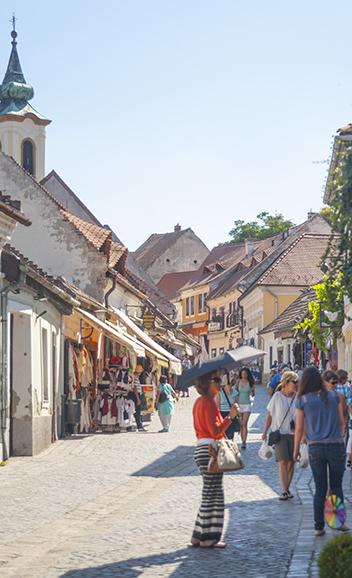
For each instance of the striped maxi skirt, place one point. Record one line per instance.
(210, 517)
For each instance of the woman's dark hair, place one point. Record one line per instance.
(312, 381)
(249, 375)
(163, 379)
(342, 375)
(328, 375)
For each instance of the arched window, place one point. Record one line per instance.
(28, 156)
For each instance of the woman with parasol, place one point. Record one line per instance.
(321, 411)
(209, 425)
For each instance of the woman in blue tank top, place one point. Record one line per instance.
(321, 411)
(224, 399)
(245, 388)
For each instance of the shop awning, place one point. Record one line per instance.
(174, 363)
(110, 332)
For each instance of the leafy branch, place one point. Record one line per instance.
(326, 312)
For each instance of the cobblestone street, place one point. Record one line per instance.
(125, 505)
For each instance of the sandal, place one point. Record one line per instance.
(319, 532)
(283, 496)
(215, 545)
(289, 495)
(191, 545)
(348, 463)
(243, 446)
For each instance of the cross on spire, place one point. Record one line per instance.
(13, 20)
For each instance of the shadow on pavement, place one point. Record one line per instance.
(177, 463)
(257, 547)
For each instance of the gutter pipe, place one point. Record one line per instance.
(273, 294)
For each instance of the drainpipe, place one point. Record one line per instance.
(273, 294)
(4, 354)
(114, 281)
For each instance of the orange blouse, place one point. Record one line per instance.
(206, 416)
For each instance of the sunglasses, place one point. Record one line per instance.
(216, 379)
(294, 381)
(334, 382)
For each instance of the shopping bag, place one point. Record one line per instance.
(265, 451)
(304, 459)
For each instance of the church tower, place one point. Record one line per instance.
(22, 129)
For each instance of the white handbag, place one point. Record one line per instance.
(224, 456)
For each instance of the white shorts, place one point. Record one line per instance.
(246, 407)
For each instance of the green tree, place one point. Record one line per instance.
(326, 312)
(326, 213)
(269, 226)
(339, 251)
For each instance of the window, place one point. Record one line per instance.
(28, 156)
(200, 303)
(45, 373)
(187, 307)
(221, 350)
(204, 302)
(288, 353)
(192, 306)
(270, 355)
(213, 314)
(213, 352)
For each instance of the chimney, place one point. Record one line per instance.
(310, 214)
(249, 245)
(177, 228)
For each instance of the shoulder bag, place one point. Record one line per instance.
(235, 421)
(224, 456)
(163, 396)
(275, 436)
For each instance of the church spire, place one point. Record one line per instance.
(22, 128)
(14, 86)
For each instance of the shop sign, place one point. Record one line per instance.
(148, 391)
(148, 319)
(213, 326)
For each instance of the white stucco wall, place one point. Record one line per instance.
(12, 135)
(51, 242)
(31, 412)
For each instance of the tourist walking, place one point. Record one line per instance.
(282, 418)
(209, 425)
(224, 400)
(245, 389)
(166, 407)
(321, 411)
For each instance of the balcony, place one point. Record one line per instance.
(217, 323)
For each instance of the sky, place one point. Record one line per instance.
(197, 112)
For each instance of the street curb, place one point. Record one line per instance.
(303, 563)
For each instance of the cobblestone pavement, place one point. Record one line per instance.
(125, 504)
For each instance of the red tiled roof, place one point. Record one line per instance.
(299, 264)
(228, 285)
(170, 283)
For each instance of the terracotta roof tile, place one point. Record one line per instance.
(299, 264)
(170, 283)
